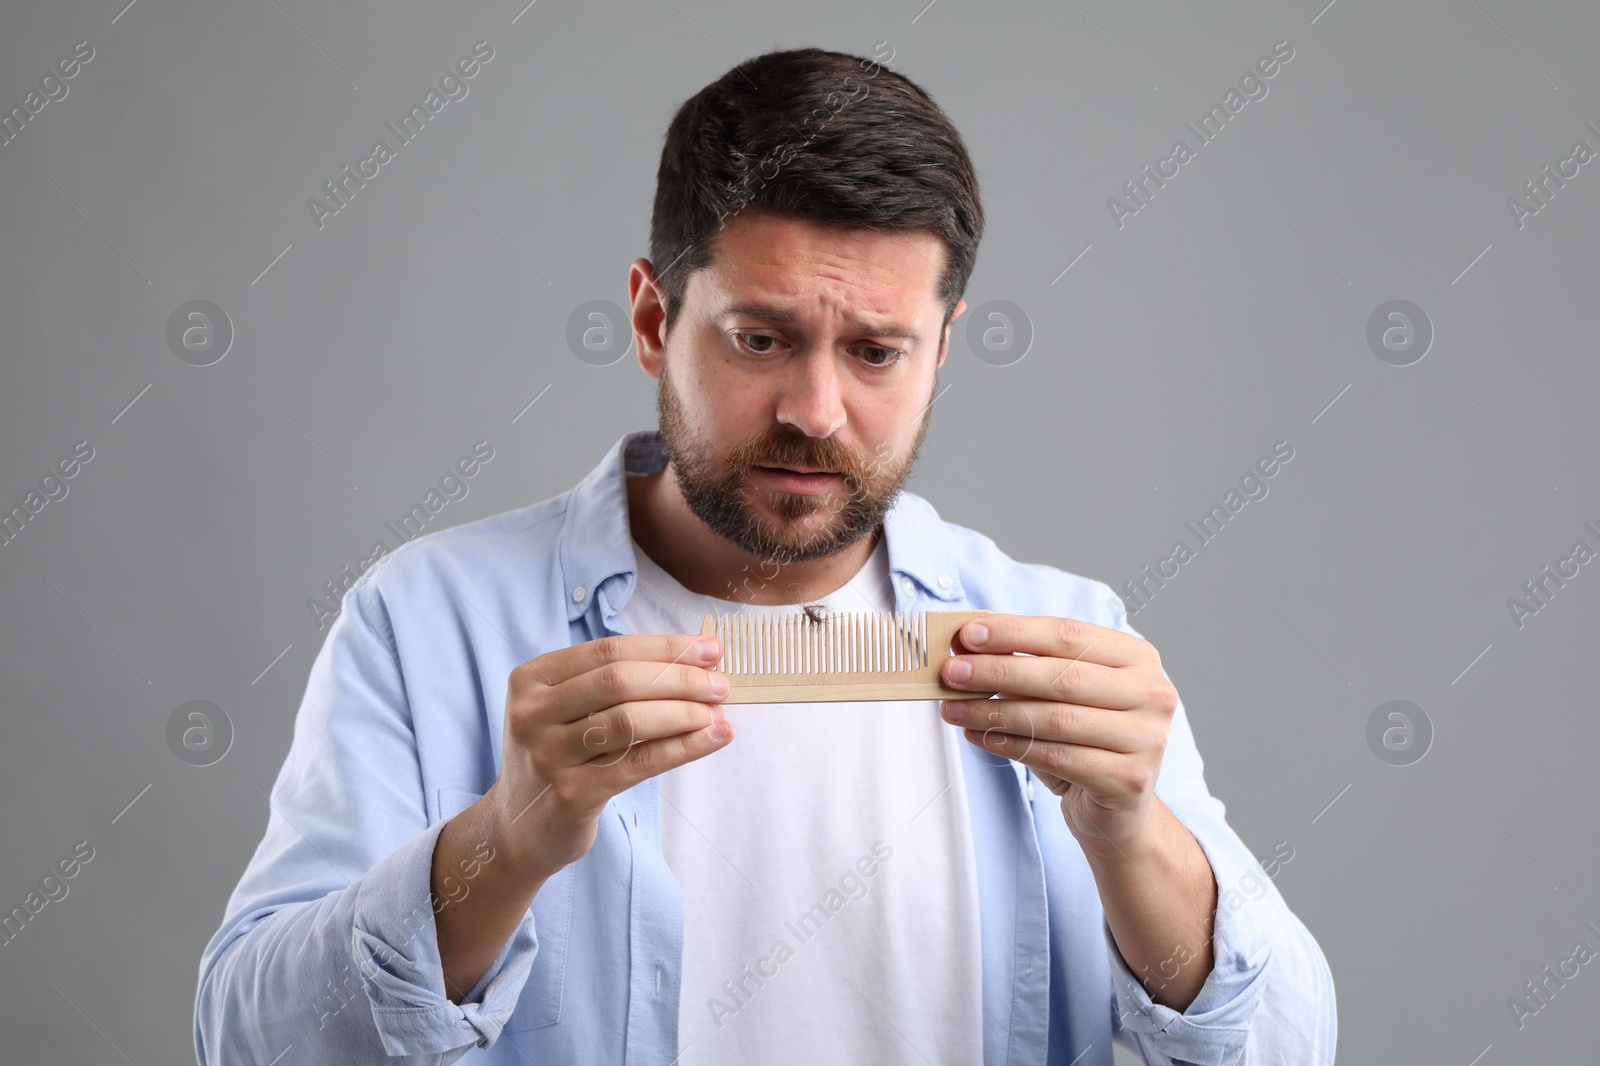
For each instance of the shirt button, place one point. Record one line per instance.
(908, 586)
(1030, 790)
(578, 594)
(944, 581)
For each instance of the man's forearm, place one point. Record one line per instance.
(1160, 899)
(479, 897)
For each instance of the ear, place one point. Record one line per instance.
(944, 342)
(648, 314)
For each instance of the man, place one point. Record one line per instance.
(609, 866)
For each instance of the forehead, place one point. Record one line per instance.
(804, 262)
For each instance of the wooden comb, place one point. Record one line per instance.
(838, 657)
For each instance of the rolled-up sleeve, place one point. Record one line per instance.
(328, 945)
(1269, 997)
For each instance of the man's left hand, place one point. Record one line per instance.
(1085, 707)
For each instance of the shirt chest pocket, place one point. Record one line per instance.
(540, 1002)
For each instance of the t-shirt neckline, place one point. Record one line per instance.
(664, 590)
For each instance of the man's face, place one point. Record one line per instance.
(804, 347)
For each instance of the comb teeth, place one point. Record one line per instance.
(786, 645)
(869, 655)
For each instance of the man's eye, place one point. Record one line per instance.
(886, 357)
(757, 337)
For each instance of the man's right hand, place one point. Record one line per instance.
(586, 722)
(582, 724)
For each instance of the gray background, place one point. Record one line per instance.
(1227, 315)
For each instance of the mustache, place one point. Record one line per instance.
(799, 452)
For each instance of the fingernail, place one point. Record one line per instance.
(977, 634)
(720, 731)
(960, 670)
(718, 714)
(955, 710)
(707, 649)
(719, 684)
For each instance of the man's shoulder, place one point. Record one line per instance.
(994, 579)
(520, 541)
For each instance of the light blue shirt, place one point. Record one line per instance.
(327, 949)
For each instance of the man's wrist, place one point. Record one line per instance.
(1145, 845)
(511, 833)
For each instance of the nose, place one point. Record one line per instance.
(811, 399)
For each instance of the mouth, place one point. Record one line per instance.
(796, 470)
(793, 480)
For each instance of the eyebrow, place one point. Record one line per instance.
(778, 314)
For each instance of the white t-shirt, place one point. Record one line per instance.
(825, 857)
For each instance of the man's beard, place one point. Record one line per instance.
(716, 485)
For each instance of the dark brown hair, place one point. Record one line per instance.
(819, 135)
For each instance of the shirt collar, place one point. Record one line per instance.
(596, 541)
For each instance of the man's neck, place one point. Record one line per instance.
(705, 563)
